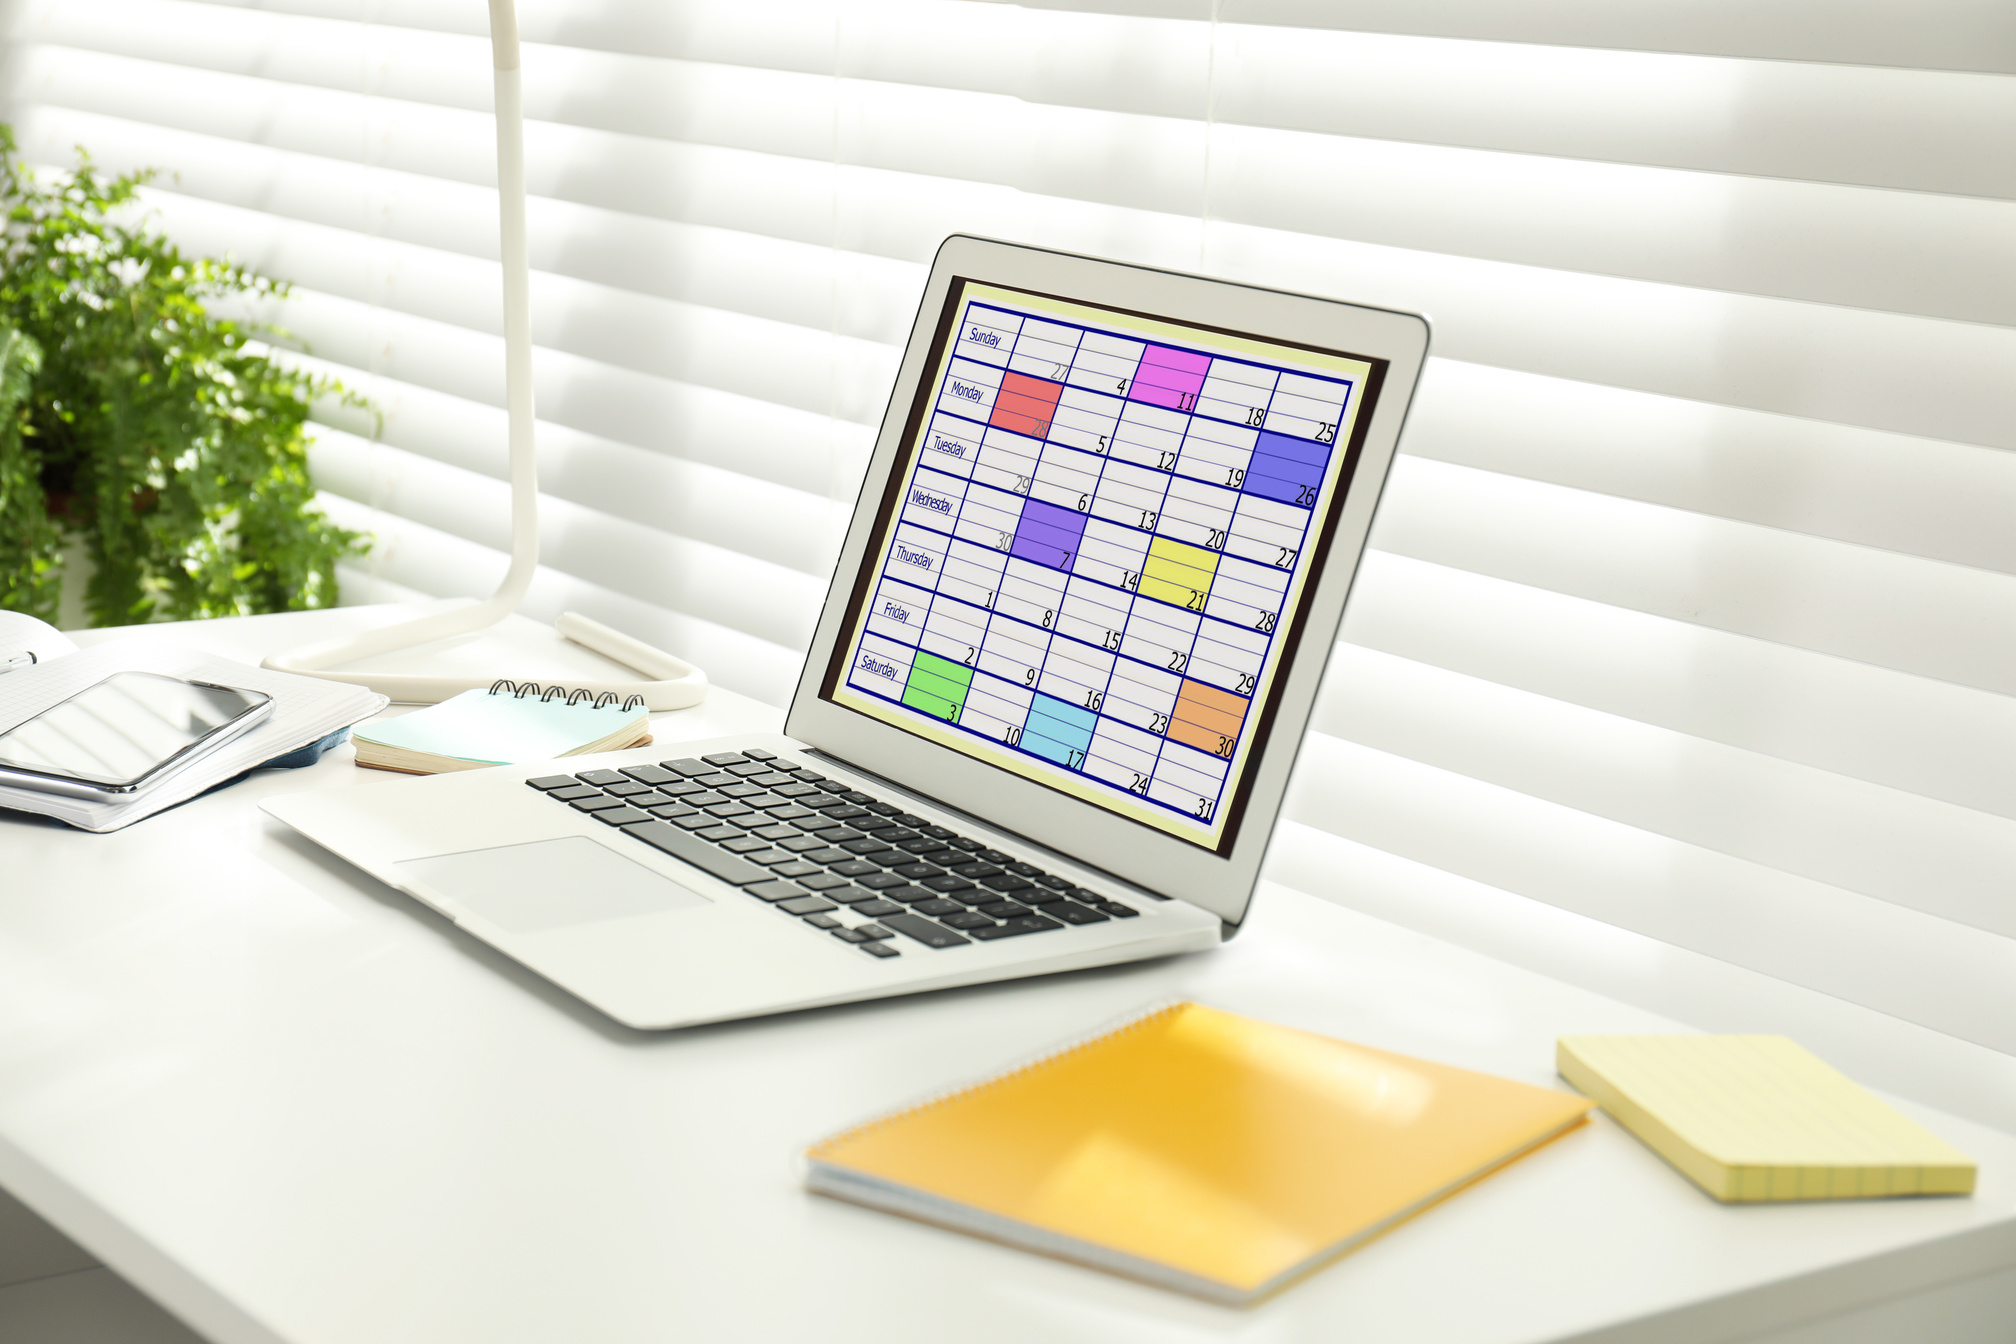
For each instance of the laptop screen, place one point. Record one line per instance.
(1095, 551)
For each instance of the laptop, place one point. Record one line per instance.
(1049, 711)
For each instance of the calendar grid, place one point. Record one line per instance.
(1138, 513)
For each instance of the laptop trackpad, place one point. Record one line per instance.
(550, 884)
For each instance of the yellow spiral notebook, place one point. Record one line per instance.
(1196, 1149)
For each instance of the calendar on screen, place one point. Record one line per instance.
(1095, 549)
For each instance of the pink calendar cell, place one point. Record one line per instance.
(1170, 378)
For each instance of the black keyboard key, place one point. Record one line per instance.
(693, 821)
(742, 791)
(949, 882)
(849, 895)
(880, 950)
(801, 844)
(1005, 910)
(1025, 870)
(1005, 882)
(601, 777)
(939, 907)
(879, 809)
(770, 779)
(707, 799)
(758, 754)
(807, 905)
(839, 859)
(1026, 924)
(718, 833)
(776, 834)
(822, 921)
(860, 799)
(688, 767)
(750, 821)
(940, 833)
(595, 804)
(922, 844)
(895, 837)
(724, 758)
(808, 776)
(620, 816)
(966, 919)
(681, 845)
(838, 835)
(917, 872)
(910, 895)
(776, 891)
(646, 800)
(684, 788)
(653, 775)
(815, 822)
(1117, 910)
(877, 908)
(718, 779)
(818, 881)
(996, 856)
(913, 821)
(627, 788)
(873, 931)
(976, 870)
(790, 811)
(798, 868)
(729, 808)
(771, 858)
(923, 930)
(851, 936)
(1038, 896)
(879, 881)
(674, 811)
(969, 845)
(832, 786)
(574, 791)
(1052, 881)
(866, 845)
(795, 790)
(547, 783)
(1073, 914)
(742, 844)
(748, 768)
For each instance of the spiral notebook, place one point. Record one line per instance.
(1195, 1149)
(509, 723)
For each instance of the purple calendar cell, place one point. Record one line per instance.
(1286, 469)
(1170, 378)
(1048, 535)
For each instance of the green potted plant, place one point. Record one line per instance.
(164, 440)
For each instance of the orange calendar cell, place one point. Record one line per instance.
(1025, 405)
(1207, 718)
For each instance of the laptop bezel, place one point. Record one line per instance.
(1136, 853)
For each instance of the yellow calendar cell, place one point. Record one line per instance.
(1177, 574)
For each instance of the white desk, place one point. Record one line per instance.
(292, 1105)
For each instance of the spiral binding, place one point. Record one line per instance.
(1130, 1022)
(518, 690)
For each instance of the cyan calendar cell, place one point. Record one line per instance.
(1058, 732)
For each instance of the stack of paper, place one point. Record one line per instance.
(1759, 1118)
(479, 728)
(305, 710)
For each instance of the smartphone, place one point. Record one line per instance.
(129, 731)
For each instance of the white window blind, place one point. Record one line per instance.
(1692, 604)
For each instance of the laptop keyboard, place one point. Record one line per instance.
(841, 861)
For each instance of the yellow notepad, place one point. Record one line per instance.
(1759, 1118)
(1196, 1149)
(479, 728)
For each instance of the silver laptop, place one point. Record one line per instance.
(1048, 715)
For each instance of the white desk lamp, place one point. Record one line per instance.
(674, 682)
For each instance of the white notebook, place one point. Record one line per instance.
(479, 728)
(305, 710)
